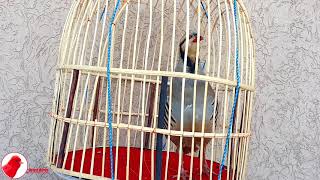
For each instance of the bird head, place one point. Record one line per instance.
(192, 48)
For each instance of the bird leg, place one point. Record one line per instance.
(184, 175)
(205, 166)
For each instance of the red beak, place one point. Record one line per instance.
(195, 39)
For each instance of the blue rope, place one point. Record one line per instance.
(204, 8)
(236, 93)
(202, 5)
(109, 88)
(104, 10)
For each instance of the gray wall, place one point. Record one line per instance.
(29, 39)
(286, 122)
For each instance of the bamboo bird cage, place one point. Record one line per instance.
(144, 49)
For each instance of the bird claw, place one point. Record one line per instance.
(183, 175)
(206, 170)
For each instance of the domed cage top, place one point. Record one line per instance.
(148, 41)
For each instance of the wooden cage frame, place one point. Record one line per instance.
(145, 38)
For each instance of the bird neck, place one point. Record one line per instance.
(191, 66)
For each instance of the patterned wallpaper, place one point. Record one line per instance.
(29, 39)
(286, 121)
(285, 143)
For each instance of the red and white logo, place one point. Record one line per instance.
(14, 165)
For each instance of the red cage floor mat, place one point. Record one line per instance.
(134, 164)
